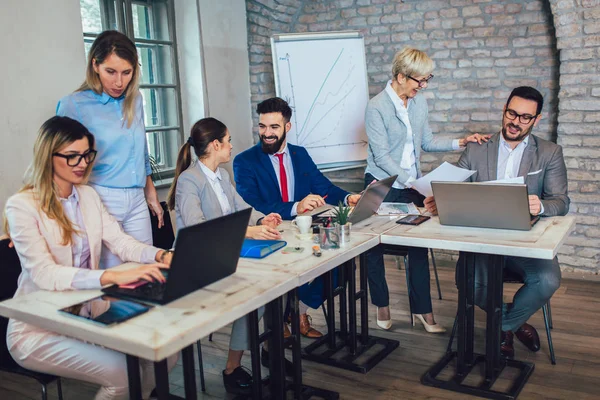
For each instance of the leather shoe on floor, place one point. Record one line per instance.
(507, 349)
(264, 360)
(306, 329)
(238, 382)
(529, 337)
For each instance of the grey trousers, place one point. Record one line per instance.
(240, 334)
(541, 277)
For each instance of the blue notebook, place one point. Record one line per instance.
(253, 248)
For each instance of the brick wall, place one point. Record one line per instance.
(482, 49)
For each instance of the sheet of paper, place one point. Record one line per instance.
(444, 173)
(518, 179)
(397, 209)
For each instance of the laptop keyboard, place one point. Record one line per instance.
(152, 290)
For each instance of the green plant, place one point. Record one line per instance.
(341, 213)
(155, 169)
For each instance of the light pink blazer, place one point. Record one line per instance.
(47, 264)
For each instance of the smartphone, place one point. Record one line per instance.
(413, 220)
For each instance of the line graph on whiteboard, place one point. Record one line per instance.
(328, 96)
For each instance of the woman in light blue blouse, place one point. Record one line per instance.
(109, 104)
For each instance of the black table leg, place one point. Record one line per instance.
(189, 373)
(255, 354)
(133, 375)
(465, 356)
(161, 375)
(276, 349)
(348, 345)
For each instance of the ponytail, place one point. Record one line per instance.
(184, 159)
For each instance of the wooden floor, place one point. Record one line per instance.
(576, 335)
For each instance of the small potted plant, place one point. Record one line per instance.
(340, 220)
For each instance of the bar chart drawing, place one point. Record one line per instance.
(324, 82)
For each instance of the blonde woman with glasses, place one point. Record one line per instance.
(109, 104)
(58, 225)
(397, 129)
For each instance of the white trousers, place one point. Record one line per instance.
(129, 208)
(71, 358)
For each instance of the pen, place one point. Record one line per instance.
(306, 209)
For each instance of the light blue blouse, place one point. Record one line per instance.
(122, 160)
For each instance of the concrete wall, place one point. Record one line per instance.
(482, 49)
(43, 59)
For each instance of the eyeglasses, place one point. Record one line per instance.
(421, 82)
(523, 118)
(74, 160)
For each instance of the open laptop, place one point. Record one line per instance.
(204, 253)
(483, 205)
(370, 200)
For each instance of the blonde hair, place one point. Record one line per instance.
(204, 132)
(413, 62)
(54, 135)
(107, 43)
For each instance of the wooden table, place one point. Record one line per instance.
(542, 241)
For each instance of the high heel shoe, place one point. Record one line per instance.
(385, 324)
(435, 328)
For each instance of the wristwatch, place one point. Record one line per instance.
(162, 256)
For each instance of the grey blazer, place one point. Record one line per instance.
(387, 135)
(542, 165)
(196, 201)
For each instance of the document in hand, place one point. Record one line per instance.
(444, 173)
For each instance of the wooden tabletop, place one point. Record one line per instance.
(542, 241)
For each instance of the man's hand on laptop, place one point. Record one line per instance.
(353, 199)
(263, 232)
(429, 203)
(477, 137)
(272, 220)
(309, 203)
(535, 204)
(148, 272)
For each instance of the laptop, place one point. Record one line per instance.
(483, 205)
(204, 253)
(369, 201)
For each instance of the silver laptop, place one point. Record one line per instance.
(369, 202)
(483, 205)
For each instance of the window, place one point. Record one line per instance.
(150, 24)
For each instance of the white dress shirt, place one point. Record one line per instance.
(214, 178)
(289, 173)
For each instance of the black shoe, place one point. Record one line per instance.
(264, 360)
(238, 382)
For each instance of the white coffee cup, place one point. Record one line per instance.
(303, 223)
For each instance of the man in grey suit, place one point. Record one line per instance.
(515, 152)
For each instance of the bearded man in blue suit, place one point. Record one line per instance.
(276, 176)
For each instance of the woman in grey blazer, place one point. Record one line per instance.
(397, 129)
(201, 191)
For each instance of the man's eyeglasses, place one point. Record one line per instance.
(421, 82)
(74, 160)
(523, 118)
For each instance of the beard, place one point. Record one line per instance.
(272, 148)
(520, 136)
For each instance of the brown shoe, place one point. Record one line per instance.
(529, 337)
(507, 349)
(306, 329)
(286, 331)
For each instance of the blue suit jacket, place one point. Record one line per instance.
(257, 183)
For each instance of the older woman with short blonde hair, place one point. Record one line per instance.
(397, 129)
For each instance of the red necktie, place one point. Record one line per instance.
(282, 178)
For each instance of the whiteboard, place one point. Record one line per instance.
(323, 77)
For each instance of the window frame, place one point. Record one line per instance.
(118, 14)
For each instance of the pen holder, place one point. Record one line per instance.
(328, 237)
(343, 232)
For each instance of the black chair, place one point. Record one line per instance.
(164, 238)
(11, 269)
(513, 277)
